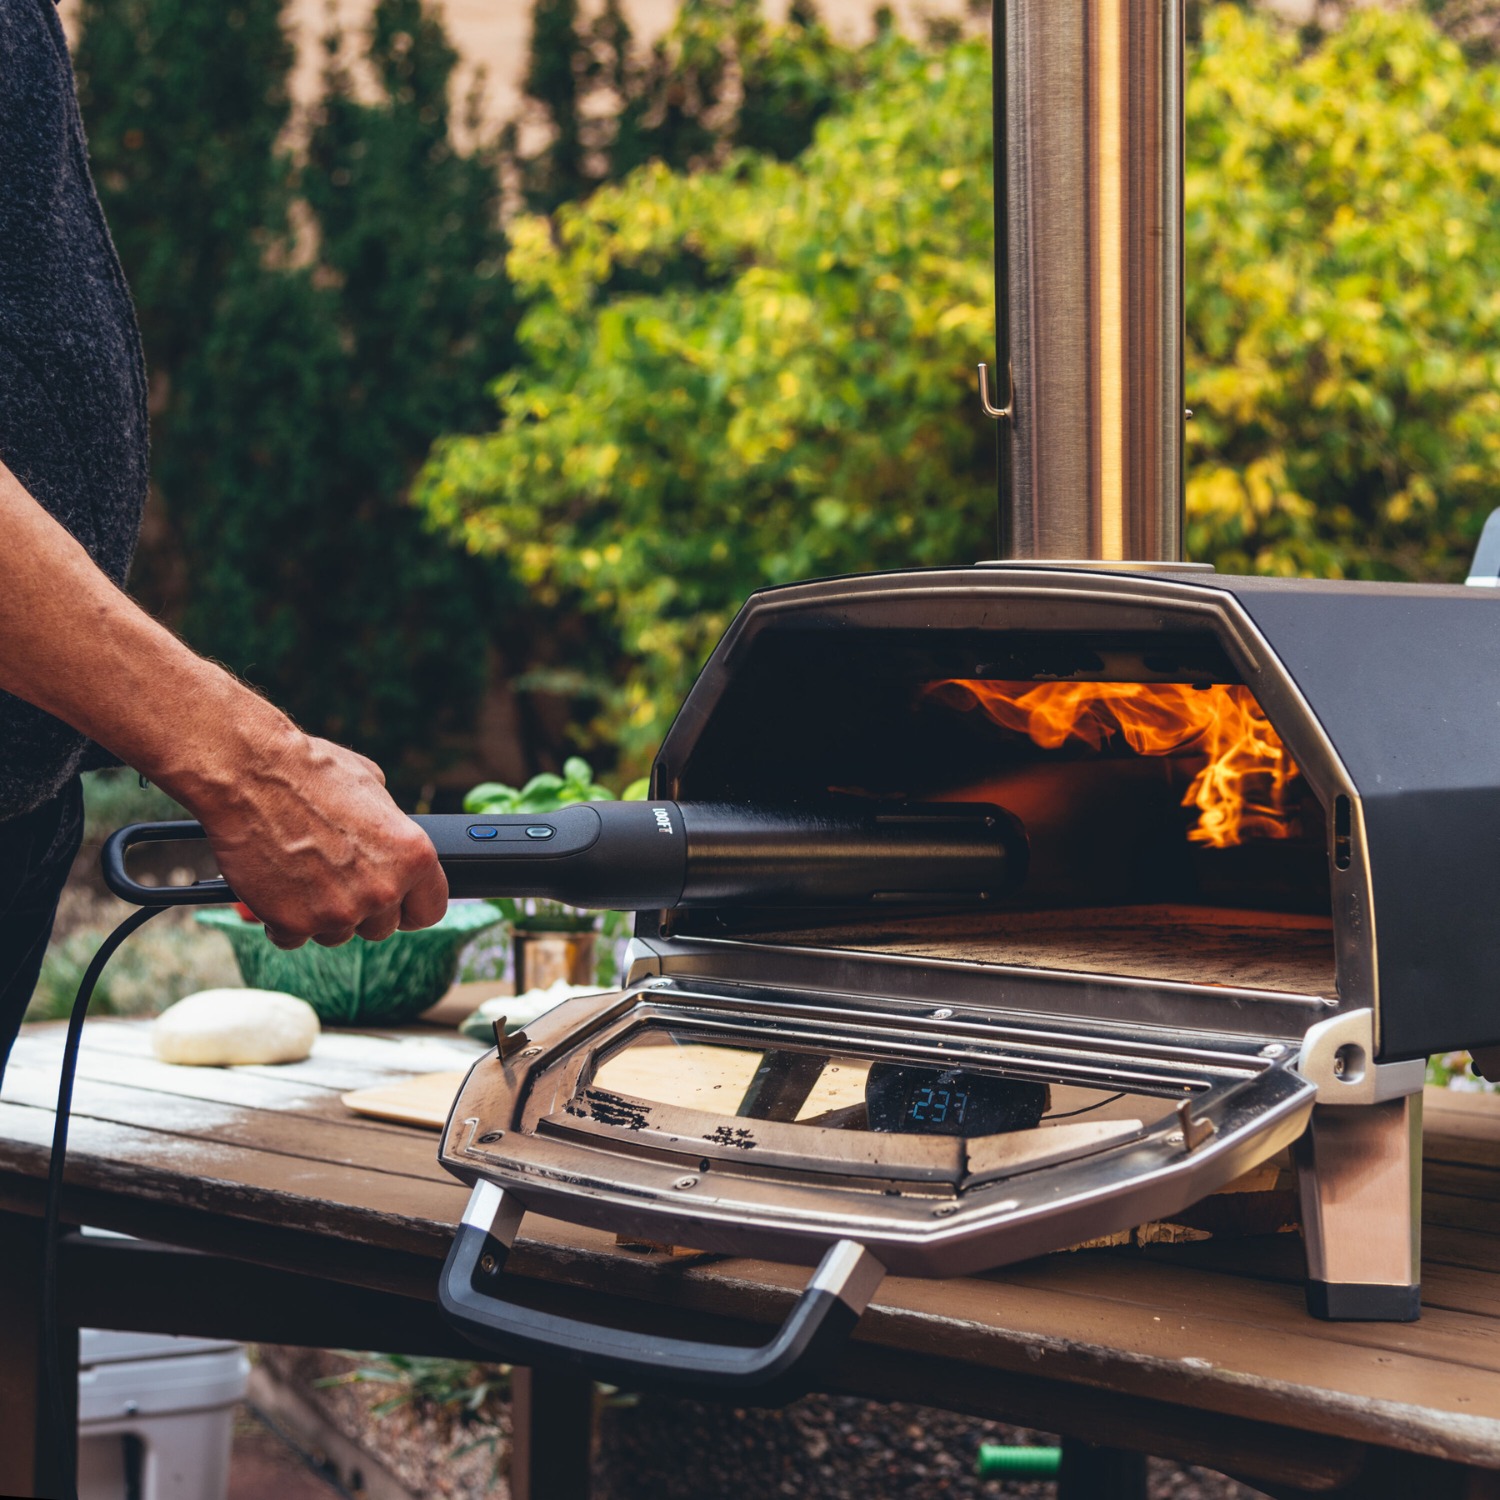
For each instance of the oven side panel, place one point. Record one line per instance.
(1405, 680)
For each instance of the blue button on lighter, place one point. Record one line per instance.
(540, 831)
(483, 831)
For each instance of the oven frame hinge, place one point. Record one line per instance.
(1338, 1055)
(642, 961)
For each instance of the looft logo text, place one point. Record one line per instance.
(663, 820)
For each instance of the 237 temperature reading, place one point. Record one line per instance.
(932, 1106)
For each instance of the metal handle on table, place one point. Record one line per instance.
(471, 1295)
(198, 893)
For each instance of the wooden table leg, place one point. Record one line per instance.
(28, 1449)
(552, 1435)
(1090, 1473)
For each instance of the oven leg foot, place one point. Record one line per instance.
(1359, 1177)
(552, 1435)
(1090, 1473)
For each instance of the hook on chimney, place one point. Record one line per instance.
(999, 413)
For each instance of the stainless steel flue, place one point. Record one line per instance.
(1088, 216)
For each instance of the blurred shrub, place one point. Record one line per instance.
(764, 372)
(169, 958)
(1455, 1070)
(475, 1390)
(721, 77)
(184, 104)
(316, 310)
(113, 798)
(1343, 319)
(310, 324)
(745, 376)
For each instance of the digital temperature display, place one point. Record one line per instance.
(937, 1106)
(950, 1101)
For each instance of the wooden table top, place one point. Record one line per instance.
(224, 1157)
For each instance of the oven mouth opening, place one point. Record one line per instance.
(1172, 833)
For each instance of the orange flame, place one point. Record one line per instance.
(1243, 781)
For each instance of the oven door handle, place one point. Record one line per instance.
(472, 1299)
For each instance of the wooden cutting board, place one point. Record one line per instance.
(707, 1078)
(424, 1100)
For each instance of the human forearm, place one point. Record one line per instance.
(304, 830)
(75, 645)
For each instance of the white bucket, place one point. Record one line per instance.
(156, 1415)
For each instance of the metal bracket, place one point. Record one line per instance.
(1484, 571)
(494, 1211)
(1486, 1063)
(641, 961)
(999, 413)
(1339, 1056)
(1194, 1131)
(505, 1043)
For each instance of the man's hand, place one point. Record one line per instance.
(314, 846)
(305, 832)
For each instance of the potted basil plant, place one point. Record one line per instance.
(553, 941)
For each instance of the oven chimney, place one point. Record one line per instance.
(1088, 277)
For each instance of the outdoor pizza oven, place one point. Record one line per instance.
(1253, 904)
(1252, 831)
(1279, 789)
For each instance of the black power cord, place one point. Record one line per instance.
(1068, 1114)
(53, 1374)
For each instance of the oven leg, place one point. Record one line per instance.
(1090, 1473)
(1359, 1177)
(552, 1435)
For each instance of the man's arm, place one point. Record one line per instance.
(304, 830)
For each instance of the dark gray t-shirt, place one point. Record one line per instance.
(72, 379)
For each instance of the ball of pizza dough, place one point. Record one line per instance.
(217, 1028)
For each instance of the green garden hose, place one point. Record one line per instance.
(1032, 1463)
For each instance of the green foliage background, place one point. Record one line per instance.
(312, 319)
(319, 304)
(764, 371)
(721, 77)
(735, 344)
(1343, 316)
(745, 376)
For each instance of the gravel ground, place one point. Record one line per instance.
(653, 1448)
(828, 1448)
(432, 1453)
(262, 1464)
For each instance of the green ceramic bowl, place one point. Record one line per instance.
(380, 984)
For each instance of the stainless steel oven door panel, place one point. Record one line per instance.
(682, 1153)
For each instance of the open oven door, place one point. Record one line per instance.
(858, 1134)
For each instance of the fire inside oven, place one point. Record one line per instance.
(1172, 835)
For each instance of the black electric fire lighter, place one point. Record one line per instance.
(643, 856)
